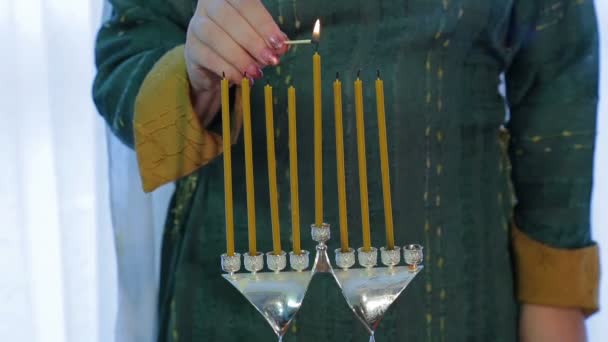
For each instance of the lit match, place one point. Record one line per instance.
(316, 36)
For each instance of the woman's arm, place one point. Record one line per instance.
(552, 88)
(159, 64)
(128, 45)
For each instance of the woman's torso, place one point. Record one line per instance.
(440, 62)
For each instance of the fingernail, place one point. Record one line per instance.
(269, 57)
(284, 47)
(277, 41)
(253, 71)
(287, 46)
(251, 80)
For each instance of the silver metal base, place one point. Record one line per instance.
(322, 263)
(277, 296)
(369, 291)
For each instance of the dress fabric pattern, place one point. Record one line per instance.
(457, 160)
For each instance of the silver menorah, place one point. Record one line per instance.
(369, 291)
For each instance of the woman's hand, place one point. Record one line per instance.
(231, 37)
(549, 324)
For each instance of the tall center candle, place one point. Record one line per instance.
(386, 183)
(246, 99)
(318, 139)
(226, 142)
(362, 165)
(341, 173)
(272, 172)
(293, 171)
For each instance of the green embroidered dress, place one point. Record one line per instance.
(454, 170)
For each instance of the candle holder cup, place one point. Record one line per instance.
(276, 262)
(413, 256)
(231, 263)
(345, 260)
(390, 257)
(254, 263)
(299, 262)
(368, 259)
(320, 234)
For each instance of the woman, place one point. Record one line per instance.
(454, 169)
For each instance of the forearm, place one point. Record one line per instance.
(128, 45)
(549, 324)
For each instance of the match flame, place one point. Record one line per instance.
(316, 32)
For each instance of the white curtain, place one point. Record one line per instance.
(138, 222)
(60, 279)
(55, 237)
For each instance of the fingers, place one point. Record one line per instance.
(202, 58)
(258, 17)
(231, 54)
(234, 37)
(242, 33)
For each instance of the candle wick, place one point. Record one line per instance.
(223, 74)
(338, 75)
(378, 73)
(359, 73)
(316, 46)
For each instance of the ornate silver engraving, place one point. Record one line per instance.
(345, 260)
(299, 262)
(276, 263)
(390, 257)
(231, 264)
(254, 263)
(368, 259)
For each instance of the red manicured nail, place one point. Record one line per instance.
(270, 57)
(253, 71)
(277, 41)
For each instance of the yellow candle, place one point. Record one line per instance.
(227, 169)
(386, 183)
(340, 165)
(246, 99)
(362, 165)
(293, 171)
(272, 172)
(318, 136)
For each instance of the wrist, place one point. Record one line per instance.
(548, 324)
(206, 104)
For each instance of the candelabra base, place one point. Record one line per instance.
(371, 291)
(322, 263)
(277, 296)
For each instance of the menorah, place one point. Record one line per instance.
(369, 291)
(278, 294)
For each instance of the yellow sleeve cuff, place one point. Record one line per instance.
(556, 277)
(170, 141)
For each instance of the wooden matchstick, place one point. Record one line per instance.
(297, 42)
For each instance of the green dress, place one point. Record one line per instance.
(457, 157)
